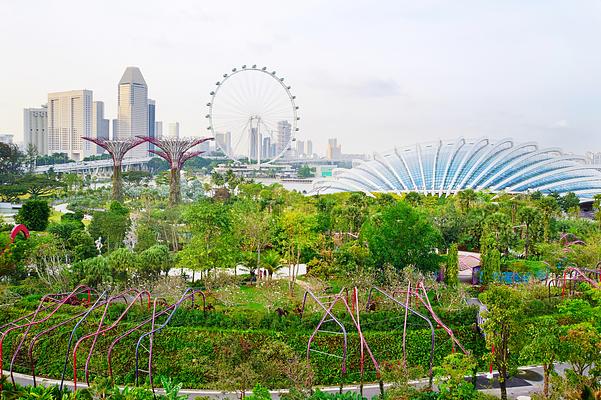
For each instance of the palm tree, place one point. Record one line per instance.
(466, 198)
(271, 261)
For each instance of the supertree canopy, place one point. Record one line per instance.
(176, 152)
(117, 149)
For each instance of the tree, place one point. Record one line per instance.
(212, 245)
(71, 181)
(569, 202)
(503, 328)
(12, 191)
(64, 229)
(298, 228)
(123, 264)
(153, 261)
(252, 227)
(11, 159)
(550, 208)
(81, 245)
(466, 198)
(271, 260)
(451, 276)
(597, 206)
(498, 226)
(581, 347)
(110, 225)
(543, 346)
(34, 215)
(451, 375)
(31, 156)
(400, 236)
(40, 185)
(93, 272)
(306, 172)
(135, 177)
(490, 257)
(532, 221)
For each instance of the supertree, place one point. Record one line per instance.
(117, 149)
(176, 152)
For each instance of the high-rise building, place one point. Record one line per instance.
(100, 125)
(333, 150)
(223, 141)
(284, 136)
(158, 129)
(151, 122)
(300, 148)
(173, 129)
(35, 128)
(266, 149)
(70, 118)
(115, 128)
(253, 147)
(309, 149)
(133, 109)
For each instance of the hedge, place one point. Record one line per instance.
(193, 349)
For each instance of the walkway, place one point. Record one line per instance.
(528, 381)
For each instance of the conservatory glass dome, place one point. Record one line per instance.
(446, 167)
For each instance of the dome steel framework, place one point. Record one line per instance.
(447, 167)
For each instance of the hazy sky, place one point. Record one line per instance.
(374, 74)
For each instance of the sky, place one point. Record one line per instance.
(374, 74)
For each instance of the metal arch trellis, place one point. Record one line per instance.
(332, 318)
(287, 89)
(420, 315)
(353, 310)
(188, 295)
(32, 321)
(425, 301)
(50, 304)
(101, 331)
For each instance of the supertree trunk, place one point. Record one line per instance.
(175, 196)
(117, 183)
(176, 152)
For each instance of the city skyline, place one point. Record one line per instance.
(401, 72)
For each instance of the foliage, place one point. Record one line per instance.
(399, 235)
(490, 260)
(111, 225)
(503, 329)
(11, 159)
(451, 378)
(34, 215)
(451, 275)
(544, 346)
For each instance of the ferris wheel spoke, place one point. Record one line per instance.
(276, 103)
(251, 99)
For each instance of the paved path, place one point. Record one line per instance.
(528, 381)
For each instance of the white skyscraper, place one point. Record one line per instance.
(70, 118)
(100, 125)
(173, 129)
(133, 109)
(300, 148)
(158, 129)
(309, 149)
(35, 128)
(284, 136)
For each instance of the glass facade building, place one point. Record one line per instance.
(446, 167)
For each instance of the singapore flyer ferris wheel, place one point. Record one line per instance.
(253, 115)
